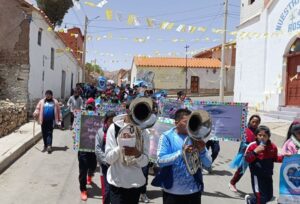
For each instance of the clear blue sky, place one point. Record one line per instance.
(189, 12)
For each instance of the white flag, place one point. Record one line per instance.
(102, 3)
(76, 4)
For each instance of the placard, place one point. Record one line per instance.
(289, 186)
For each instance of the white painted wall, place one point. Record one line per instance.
(63, 61)
(260, 64)
(249, 10)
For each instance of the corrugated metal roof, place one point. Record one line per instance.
(177, 62)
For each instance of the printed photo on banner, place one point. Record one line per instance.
(229, 119)
(117, 108)
(162, 125)
(86, 125)
(289, 186)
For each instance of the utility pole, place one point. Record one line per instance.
(186, 67)
(84, 47)
(223, 53)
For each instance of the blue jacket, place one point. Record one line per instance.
(170, 154)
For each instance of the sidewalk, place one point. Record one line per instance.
(14, 145)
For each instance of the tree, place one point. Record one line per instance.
(94, 68)
(55, 9)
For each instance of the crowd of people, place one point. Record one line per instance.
(126, 184)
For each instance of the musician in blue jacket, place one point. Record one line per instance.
(182, 187)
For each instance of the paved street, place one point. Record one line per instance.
(42, 178)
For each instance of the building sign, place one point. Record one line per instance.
(291, 14)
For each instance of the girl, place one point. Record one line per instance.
(100, 153)
(239, 162)
(292, 144)
(261, 156)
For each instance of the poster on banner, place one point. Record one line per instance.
(289, 186)
(229, 119)
(86, 125)
(115, 107)
(162, 125)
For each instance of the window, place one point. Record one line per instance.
(251, 2)
(52, 59)
(40, 36)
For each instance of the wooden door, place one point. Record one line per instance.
(293, 81)
(195, 84)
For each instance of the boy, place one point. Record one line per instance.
(261, 156)
(185, 188)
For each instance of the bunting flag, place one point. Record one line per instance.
(130, 20)
(102, 3)
(181, 28)
(202, 29)
(109, 14)
(294, 77)
(150, 22)
(91, 4)
(192, 29)
(170, 26)
(164, 25)
(50, 29)
(98, 38)
(76, 5)
(59, 50)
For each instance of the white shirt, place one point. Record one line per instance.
(118, 174)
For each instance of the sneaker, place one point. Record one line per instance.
(89, 180)
(232, 188)
(45, 149)
(209, 170)
(83, 195)
(49, 149)
(144, 198)
(248, 199)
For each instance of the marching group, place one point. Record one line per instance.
(126, 184)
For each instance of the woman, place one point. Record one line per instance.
(239, 162)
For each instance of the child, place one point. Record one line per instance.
(239, 162)
(87, 161)
(292, 144)
(261, 156)
(100, 153)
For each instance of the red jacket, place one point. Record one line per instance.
(262, 164)
(250, 136)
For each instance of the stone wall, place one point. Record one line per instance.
(14, 51)
(12, 116)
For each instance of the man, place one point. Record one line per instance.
(47, 111)
(181, 186)
(75, 102)
(125, 180)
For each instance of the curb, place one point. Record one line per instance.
(17, 151)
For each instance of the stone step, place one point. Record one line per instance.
(289, 109)
(280, 116)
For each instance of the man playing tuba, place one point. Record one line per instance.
(126, 151)
(179, 185)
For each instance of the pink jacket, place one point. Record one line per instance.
(289, 148)
(39, 111)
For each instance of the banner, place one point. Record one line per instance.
(115, 107)
(289, 186)
(86, 125)
(162, 125)
(229, 119)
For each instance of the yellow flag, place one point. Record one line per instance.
(164, 25)
(109, 14)
(50, 29)
(170, 26)
(90, 4)
(202, 29)
(130, 20)
(150, 22)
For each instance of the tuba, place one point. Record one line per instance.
(142, 116)
(199, 126)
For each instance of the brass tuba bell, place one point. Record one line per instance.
(142, 116)
(199, 126)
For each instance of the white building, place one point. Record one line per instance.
(50, 68)
(33, 58)
(268, 60)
